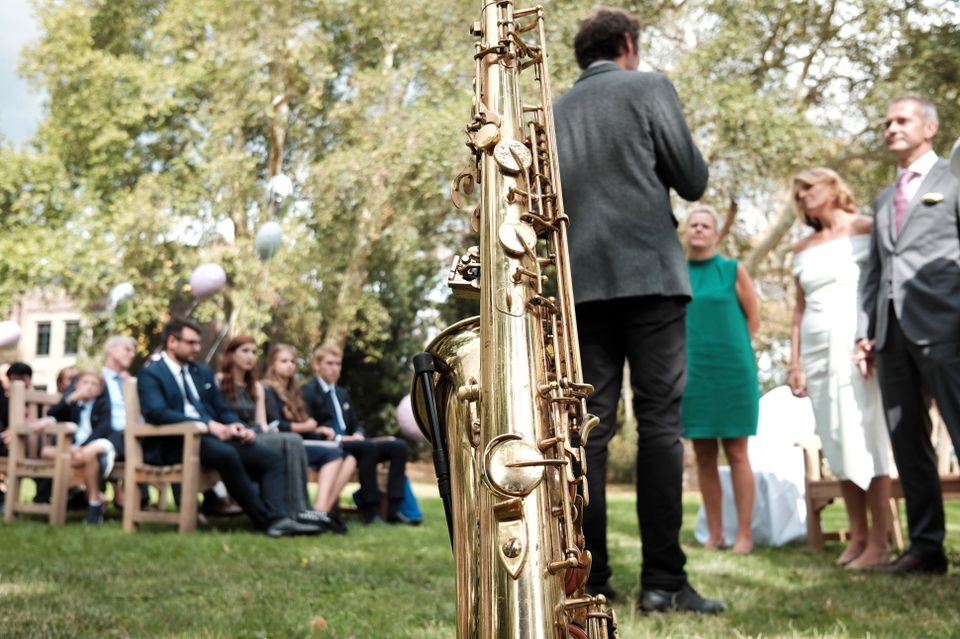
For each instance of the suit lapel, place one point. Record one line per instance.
(169, 381)
(928, 184)
(885, 216)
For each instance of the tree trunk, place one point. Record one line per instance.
(774, 235)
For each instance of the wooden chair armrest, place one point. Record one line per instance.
(56, 428)
(810, 442)
(61, 428)
(811, 457)
(168, 430)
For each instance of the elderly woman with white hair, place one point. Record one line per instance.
(721, 400)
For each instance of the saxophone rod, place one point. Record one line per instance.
(423, 369)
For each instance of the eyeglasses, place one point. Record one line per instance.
(189, 342)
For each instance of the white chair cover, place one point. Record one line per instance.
(780, 512)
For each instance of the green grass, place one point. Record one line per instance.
(384, 582)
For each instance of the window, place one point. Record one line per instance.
(71, 338)
(43, 338)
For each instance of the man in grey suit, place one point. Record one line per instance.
(623, 144)
(910, 295)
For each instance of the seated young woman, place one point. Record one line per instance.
(285, 409)
(94, 448)
(247, 397)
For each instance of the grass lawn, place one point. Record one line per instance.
(384, 582)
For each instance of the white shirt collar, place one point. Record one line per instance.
(922, 165)
(324, 385)
(171, 364)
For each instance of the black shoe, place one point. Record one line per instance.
(95, 514)
(324, 520)
(371, 515)
(286, 527)
(685, 599)
(604, 589)
(400, 518)
(909, 563)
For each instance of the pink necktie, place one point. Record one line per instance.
(900, 199)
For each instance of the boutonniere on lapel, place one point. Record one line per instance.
(207, 386)
(932, 198)
(346, 406)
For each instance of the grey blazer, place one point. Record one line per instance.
(623, 144)
(920, 268)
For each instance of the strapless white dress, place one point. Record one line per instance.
(847, 407)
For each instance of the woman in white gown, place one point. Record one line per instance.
(846, 403)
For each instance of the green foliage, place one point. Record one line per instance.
(166, 118)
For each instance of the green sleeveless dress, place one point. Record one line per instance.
(722, 397)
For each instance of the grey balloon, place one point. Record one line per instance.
(268, 240)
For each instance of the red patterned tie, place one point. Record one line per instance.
(900, 199)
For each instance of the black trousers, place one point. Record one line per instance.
(909, 375)
(650, 333)
(254, 475)
(369, 453)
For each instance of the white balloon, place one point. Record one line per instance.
(9, 333)
(120, 292)
(207, 279)
(407, 422)
(268, 240)
(279, 187)
(955, 159)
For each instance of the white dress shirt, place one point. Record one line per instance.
(188, 408)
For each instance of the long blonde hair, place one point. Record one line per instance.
(294, 410)
(843, 198)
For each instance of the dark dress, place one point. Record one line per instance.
(289, 445)
(722, 398)
(319, 451)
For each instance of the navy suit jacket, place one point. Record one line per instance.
(320, 407)
(161, 401)
(100, 418)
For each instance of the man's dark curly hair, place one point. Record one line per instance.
(601, 35)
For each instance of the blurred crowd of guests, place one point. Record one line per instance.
(263, 436)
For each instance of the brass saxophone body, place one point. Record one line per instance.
(501, 396)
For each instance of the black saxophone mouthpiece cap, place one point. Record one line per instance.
(423, 363)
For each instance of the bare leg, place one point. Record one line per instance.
(708, 476)
(878, 542)
(744, 489)
(328, 496)
(88, 457)
(326, 478)
(855, 499)
(347, 469)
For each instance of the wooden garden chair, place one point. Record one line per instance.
(23, 457)
(822, 491)
(192, 477)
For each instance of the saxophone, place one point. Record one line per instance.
(501, 396)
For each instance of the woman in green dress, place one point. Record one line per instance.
(721, 400)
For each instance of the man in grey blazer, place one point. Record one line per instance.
(623, 144)
(910, 295)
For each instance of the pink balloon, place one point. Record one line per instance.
(407, 423)
(207, 279)
(9, 333)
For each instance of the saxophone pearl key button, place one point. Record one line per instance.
(512, 548)
(513, 156)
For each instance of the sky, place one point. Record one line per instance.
(19, 105)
